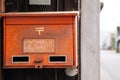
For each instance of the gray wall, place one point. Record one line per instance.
(90, 10)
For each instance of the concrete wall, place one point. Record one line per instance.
(90, 10)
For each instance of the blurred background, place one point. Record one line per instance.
(109, 21)
(110, 40)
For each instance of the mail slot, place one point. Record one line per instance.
(40, 40)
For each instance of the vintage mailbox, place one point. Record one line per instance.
(40, 40)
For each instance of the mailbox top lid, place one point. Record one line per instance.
(60, 13)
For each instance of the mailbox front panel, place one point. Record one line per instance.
(39, 45)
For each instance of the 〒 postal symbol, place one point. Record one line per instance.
(39, 30)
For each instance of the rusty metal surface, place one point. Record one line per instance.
(18, 33)
(60, 40)
(35, 74)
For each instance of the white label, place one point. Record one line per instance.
(40, 2)
(38, 45)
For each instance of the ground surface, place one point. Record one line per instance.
(110, 65)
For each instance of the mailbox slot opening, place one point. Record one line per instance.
(20, 59)
(57, 59)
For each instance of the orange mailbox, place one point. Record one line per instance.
(40, 40)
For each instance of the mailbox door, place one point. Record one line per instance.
(44, 45)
